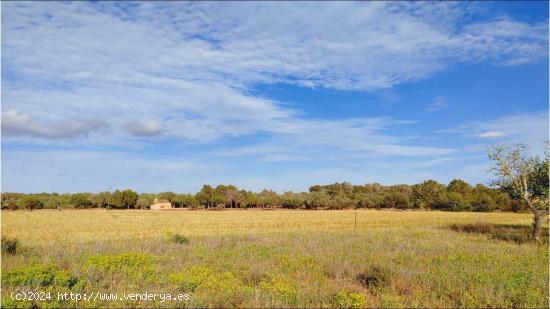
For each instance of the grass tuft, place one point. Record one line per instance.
(9, 245)
(178, 239)
(376, 276)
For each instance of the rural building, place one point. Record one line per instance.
(161, 204)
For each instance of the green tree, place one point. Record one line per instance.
(396, 200)
(205, 196)
(453, 201)
(427, 194)
(523, 176)
(268, 198)
(129, 198)
(483, 202)
(117, 199)
(80, 200)
(169, 196)
(144, 201)
(30, 202)
(291, 200)
(10, 200)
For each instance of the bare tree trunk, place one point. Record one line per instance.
(538, 221)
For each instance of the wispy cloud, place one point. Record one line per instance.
(18, 124)
(144, 128)
(197, 61)
(527, 128)
(185, 72)
(438, 104)
(491, 134)
(243, 43)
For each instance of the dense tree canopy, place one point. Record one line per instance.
(458, 195)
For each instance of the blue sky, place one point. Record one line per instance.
(169, 96)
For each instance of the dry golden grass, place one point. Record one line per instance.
(285, 258)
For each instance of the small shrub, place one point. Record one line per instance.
(190, 280)
(9, 245)
(178, 239)
(225, 290)
(38, 276)
(120, 262)
(283, 291)
(346, 299)
(374, 277)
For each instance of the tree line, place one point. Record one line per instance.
(522, 182)
(458, 195)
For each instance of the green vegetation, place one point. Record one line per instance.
(464, 255)
(38, 276)
(9, 245)
(120, 262)
(178, 239)
(523, 176)
(456, 196)
(350, 300)
(279, 258)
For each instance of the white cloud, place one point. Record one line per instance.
(144, 128)
(261, 42)
(186, 72)
(190, 66)
(438, 104)
(491, 134)
(528, 128)
(18, 124)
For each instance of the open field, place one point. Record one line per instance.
(278, 258)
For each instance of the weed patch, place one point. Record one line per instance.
(38, 276)
(121, 262)
(178, 239)
(9, 245)
(282, 291)
(190, 280)
(376, 276)
(346, 299)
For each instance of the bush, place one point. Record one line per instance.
(9, 245)
(178, 239)
(283, 292)
(375, 277)
(121, 262)
(218, 289)
(38, 276)
(192, 279)
(225, 290)
(346, 299)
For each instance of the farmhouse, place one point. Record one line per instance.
(161, 204)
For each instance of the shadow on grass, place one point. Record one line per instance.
(508, 232)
